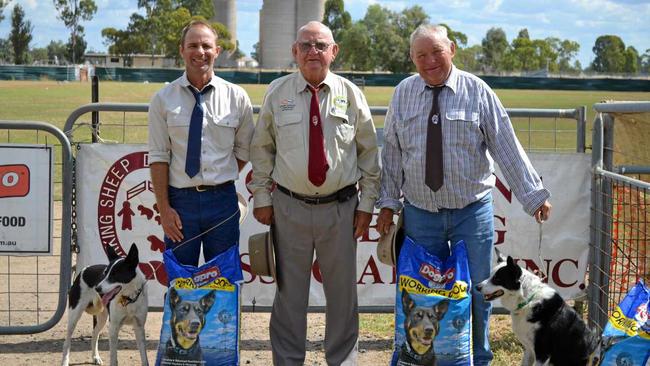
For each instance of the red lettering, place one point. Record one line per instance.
(532, 266)
(507, 193)
(556, 272)
(374, 272)
(315, 270)
(500, 234)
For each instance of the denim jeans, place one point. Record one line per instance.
(200, 211)
(474, 224)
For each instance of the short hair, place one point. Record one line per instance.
(312, 24)
(196, 23)
(431, 31)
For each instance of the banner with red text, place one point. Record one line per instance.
(116, 207)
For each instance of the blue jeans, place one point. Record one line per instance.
(475, 225)
(200, 211)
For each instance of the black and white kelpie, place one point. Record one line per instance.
(551, 332)
(117, 289)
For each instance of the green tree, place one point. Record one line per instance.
(56, 52)
(336, 18)
(355, 48)
(203, 8)
(566, 50)
(381, 33)
(631, 65)
(72, 12)
(469, 58)
(21, 35)
(3, 3)
(6, 50)
(75, 49)
(255, 55)
(39, 55)
(645, 61)
(459, 38)
(610, 54)
(495, 45)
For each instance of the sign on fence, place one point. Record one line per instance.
(25, 199)
(116, 207)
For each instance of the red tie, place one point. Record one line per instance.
(317, 169)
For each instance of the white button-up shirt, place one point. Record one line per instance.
(226, 134)
(475, 129)
(280, 147)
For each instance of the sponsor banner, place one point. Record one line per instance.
(116, 207)
(25, 200)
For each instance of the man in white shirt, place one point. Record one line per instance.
(315, 140)
(200, 128)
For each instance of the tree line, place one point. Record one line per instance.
(380, 41)
(377, 42)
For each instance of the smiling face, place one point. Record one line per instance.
(314, 51)
(199, 50)
(432, 56)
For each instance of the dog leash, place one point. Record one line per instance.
(541, 273)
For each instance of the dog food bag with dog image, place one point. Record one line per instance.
(432, 308)
(201, 320)
(626, 338)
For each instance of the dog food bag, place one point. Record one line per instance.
(201, 317)
(626, 338)
(432, 308)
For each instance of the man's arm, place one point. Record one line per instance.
(169, 219)
(245, 130)
(392, 172)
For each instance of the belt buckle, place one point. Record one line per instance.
(311, 200)
(199, 189)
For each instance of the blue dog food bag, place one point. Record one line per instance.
(432, 308)
(201, 313)
(626, 338)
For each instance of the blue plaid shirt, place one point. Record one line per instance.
(476, 131)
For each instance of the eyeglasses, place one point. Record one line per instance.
(320, 46)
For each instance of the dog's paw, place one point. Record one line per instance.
(98, 360)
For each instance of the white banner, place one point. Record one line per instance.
(116, 206)
(25, 200)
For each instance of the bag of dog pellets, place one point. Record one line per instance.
(200, 324)
(626, 338)
(433, 308)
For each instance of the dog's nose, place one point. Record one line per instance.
(195, 326)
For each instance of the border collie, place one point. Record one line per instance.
(117, 289)
(551, 332)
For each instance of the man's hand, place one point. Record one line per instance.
(384, 221)
(542, 214)
(171, 224)
(263, 214)
(361, 223)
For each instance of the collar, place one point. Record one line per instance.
(414, 355)
(301, 83)
(125, 300)
(523, 304)
(451, 82)
(185, 82)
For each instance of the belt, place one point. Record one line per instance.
(203, 188)
(341, 195)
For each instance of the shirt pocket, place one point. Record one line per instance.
(178, 125)
(463, 129)
(344, 127)
(411, 132)
(223, 130)
(290, 135)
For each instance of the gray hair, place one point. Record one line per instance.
(430, 31)
(315, 25)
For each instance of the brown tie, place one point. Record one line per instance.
(317, 168)
(434, 173)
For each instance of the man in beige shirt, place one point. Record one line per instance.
(316, 141)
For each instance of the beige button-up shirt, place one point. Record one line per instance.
(226, 135)
(280, 147)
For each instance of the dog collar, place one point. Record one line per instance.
(528, 300)
(125, 300)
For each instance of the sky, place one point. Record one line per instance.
(577, 20)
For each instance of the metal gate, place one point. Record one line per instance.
(32, 294)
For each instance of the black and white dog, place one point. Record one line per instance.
(117, 289)
(551, 332)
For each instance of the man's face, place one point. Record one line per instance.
(314, 51)
(199, 50)
(432, 58)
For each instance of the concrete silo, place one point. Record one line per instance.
(279, 21)
(225, 12)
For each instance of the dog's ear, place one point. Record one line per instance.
(440, 309)
(207, 301)
(516, 270)
(407, 302)
(500, 257)
(132, 258)
(111, 254)
(174, 299)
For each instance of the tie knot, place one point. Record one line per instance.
(436, 89)
(198, 95)
(314, 90)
